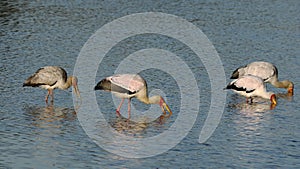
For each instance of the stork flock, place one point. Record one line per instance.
(249, 81)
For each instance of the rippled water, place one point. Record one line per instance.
(36, 33)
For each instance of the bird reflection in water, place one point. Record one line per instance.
(256, 107)
(50, 116)
(51, 129)
(250, 116)
(135, 128)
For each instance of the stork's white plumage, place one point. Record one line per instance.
(50, 78)
(265, 70)
(127, 86)
(251, 86)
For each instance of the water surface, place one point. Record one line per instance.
(34, 34)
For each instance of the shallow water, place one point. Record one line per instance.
(35, 34)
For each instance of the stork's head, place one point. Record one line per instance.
(164, 106)
(75, 86)
(290, 88)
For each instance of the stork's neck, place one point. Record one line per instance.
(151, 100)
(154, 99)
(68, 83)
(283, 84)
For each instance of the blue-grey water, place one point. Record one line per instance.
(39, 33)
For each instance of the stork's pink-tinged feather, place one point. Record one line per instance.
(129, 86)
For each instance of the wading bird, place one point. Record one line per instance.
(127, 86)
(50, 78)
(265, 70)
(251, 86)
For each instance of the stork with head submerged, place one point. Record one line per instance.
(50, 78)
(265, 70)
(127, 86)
(251, 86)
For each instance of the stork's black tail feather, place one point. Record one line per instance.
(103, 85)
(235, 74)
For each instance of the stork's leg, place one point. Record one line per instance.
(119, 107)
(46, 98)
(251, 100)
(52, 96)
(129, 108)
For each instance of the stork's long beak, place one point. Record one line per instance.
(273, 100)
(272, 106)
(291, 90)
(76, 90)
(166, 107)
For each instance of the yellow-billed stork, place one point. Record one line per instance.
(127, 86)
(265, 70)
(251, 86)
(50, 78)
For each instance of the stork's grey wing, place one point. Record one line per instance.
(46, 76)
